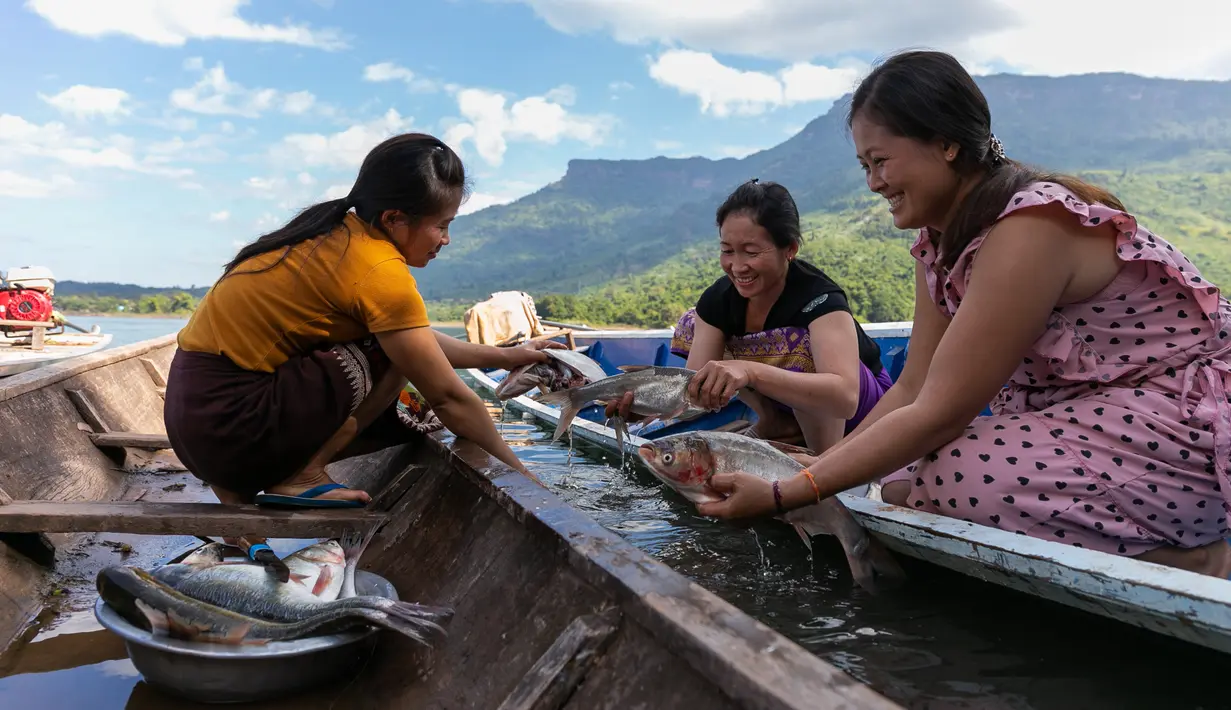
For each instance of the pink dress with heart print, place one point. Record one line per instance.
(1114, 433)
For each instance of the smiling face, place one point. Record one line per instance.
(750, 258)
(419, 241)
(916, 177)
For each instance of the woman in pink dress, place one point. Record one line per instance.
(1104, 352)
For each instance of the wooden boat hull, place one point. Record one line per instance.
(1187, 606)
(57, 348)
(551, 609)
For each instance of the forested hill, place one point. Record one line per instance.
(633, 240)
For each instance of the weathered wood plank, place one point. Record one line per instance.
(27, 382)
(388, 496)
(27, 323)
(155, 374)
(85, 407)
(119, 439)
(150, 518)
(34, 545)
(552, 679)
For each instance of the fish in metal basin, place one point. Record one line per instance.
(320, 567)
(151, 605)
(567, 368)
(658, 393)
(686, 461)
(245, 587)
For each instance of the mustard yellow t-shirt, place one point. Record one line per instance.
(332, 289)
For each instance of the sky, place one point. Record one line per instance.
(145, 141)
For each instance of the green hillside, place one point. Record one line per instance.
(631, 241)
(859, 247)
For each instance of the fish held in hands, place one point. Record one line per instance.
(686, 461)
(658, 393)
(566, 368)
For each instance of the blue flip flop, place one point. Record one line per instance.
(307, 499)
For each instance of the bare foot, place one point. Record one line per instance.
(311, 478)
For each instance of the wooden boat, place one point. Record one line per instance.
(551, 609)
(1188, 606)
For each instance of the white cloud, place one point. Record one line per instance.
(194, 64)
(84, 101)
(787, 30)
(482, 200)
(388, 71)
(345, 149)
(617, 86)
(220, 216)
(335, 192)
(17, 185)
(726, 91)
(739, 151)
(262, 184)
(490, 125)
(305, 179)
(19, 137)
(215, 94)
(172, 23)
(668, 145)
(1050, 37)
(298, 102)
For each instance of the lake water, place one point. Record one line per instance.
(946, 641)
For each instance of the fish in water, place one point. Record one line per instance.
(686, 461)
(658, 393)
(245, 588)
(153, 606)
(567, 368)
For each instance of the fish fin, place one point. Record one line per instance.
(185, 629)
(159, 625)
(300, 578)
(234, 636)
(323, 580)
(633, 368)
(872, 566)
(568, 409)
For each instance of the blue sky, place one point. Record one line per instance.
(142, 142)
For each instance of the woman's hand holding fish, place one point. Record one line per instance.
(528, 353)
(746, 496)
(718, 381)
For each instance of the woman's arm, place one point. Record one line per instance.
(833, 390)
(462, 354)
(417, 354)
(1022, 270)
(927, 329)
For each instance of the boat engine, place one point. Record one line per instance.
(26, 295)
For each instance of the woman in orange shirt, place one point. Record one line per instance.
(298, 354)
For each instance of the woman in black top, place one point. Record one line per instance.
(798, 357)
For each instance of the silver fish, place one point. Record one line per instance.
(568, 368)
(658, 393)
(150, 604)
(686, 461)
(315, 587)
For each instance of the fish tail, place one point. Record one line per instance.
(873, 567)
(566, 399)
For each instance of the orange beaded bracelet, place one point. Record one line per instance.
(812, 480)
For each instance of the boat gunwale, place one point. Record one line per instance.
(1182, 595)
(31, 380)
(750, 662)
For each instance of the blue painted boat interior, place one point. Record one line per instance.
(611, 353)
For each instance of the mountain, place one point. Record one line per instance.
(632, 231)
(122, 291)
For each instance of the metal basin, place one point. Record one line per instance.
(218, 673)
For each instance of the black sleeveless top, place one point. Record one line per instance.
(807, 295)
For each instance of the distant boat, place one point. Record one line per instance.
(32, 333)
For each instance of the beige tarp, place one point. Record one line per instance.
(507, 315)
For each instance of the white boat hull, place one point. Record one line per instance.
(1184, 605)
(15, 360)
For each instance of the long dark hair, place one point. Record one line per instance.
(413, 172)
(927, 95)
(770, 206)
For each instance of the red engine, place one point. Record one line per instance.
(25, 304)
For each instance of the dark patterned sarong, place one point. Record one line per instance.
(245, 431)
(788, 348)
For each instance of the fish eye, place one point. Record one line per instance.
(668, 458)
